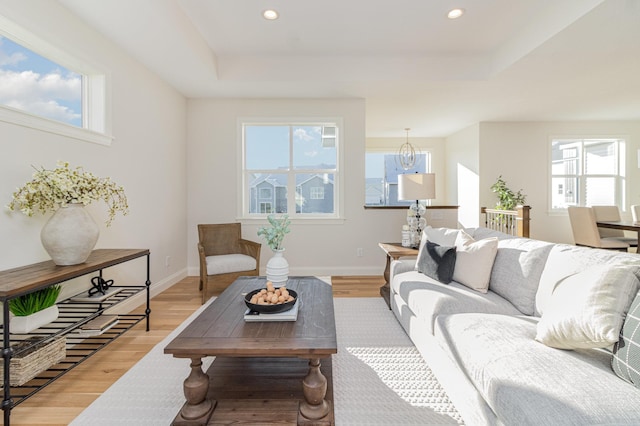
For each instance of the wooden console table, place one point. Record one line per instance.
(73, 314)
(393, 251)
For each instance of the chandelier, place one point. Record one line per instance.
(407, 154)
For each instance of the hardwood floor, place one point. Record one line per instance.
(66, 398)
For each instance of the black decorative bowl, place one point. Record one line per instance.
(270, 309)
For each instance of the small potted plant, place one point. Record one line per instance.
(507, 199)
(274, 234)
(277, 266)
(34, 310)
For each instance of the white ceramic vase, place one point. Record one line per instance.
(278, 268)
(70, 235)
(29, 323)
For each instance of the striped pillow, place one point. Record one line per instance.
(626, 353)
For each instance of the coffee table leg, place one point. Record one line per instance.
(196, 387)
(314, 388)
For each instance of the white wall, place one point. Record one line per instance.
(519, 151)
(322, 249)
(527, 147)
(147, 157)
(463, 173)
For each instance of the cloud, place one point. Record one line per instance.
(13, 59)
(302, 134)
(41, 94)
(311, 153)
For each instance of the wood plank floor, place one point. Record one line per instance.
(66, 398)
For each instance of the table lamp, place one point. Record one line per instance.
(416, 186)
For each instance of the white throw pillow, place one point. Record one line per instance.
(474, 260)
(441, 236)
(586, 310)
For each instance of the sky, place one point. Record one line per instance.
(268, 147)
(32, 83)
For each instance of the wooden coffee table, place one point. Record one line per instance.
(254, 356)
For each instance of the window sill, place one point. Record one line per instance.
(294, 221)
(406, 207)
(21, 118)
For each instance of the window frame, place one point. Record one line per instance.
(338, 190)
(393, 151)
(96, 99)
(620, 190)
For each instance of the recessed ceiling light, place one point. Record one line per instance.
(455, 13)
(270, 14)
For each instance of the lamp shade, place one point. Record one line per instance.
(417, 186)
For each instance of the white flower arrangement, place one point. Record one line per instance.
(51, 189)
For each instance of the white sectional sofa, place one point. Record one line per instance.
(497, 351)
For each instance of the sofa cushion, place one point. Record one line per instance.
(517, 269)
(626, 352)
(565, 260)
(474, 260)
(482, 232)
(441, 236)
(586, 310)
(437, 262)
(428, 298)
(527, 383)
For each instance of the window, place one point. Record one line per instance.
(265, 193)
(587, 172)
(381, 177)
(45, 88)
(32, 83)
(266, 208)
(317, 193)
(296, 164)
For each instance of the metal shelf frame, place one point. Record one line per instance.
(72, 315)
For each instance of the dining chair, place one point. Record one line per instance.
(224, 255)
(585, 230)
(635, 212)
(612, 214)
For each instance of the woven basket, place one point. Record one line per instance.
(25, 368)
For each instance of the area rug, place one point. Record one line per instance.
(379, 378)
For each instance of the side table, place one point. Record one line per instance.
(393, 251)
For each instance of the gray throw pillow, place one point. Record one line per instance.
(626, 353)
(437, 262)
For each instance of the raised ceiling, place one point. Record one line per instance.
(503, 60)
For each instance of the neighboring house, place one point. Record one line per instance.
(314, 194)
(269, 194)
(374, 192)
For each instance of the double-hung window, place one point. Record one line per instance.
(44, 87)
(587, 172)
(291, 168)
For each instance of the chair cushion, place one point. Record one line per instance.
(225, 263)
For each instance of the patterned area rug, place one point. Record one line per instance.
(379, 378)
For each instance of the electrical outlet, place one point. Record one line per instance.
(359, 252)
(167, 261)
